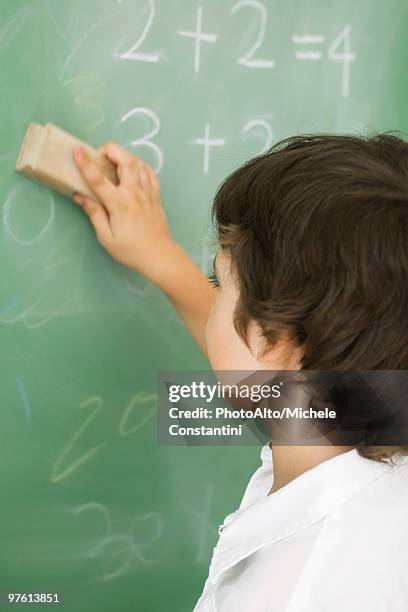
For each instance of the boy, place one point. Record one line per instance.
(312, 273)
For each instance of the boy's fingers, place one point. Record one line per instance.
(96, 214)
(154, 181)
(116, 153)
(144, 178)
(127, 163)
(97, 181)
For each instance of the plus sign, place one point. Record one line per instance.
(199, 37)
(207, 143)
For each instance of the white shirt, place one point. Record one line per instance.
(335, 539)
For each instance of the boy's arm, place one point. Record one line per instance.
(131, 225)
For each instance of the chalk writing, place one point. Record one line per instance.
(58, 472)
(135, 402)
(24, 398)
(146, 139)
(13, 200)
(254, 124)
(13, 27)
(206, 526)
(119, 550)
(345, 56)
(133, 53)
(199, 37)
(248, 58)
(207, 142)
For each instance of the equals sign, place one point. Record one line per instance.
(307, 39)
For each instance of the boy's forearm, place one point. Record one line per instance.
(186, 286)
(131, 225)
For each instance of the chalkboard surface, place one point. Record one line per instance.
(91, 506)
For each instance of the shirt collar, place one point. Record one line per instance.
(305, 500)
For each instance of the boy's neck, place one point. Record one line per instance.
(289, 462)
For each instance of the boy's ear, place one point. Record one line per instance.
(256, 341)
(284, 354)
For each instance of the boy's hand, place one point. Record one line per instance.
(130, 223)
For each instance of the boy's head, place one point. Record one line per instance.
(314, 257)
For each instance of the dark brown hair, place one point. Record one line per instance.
(317, 232)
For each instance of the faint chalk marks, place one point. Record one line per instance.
(30, 317)
(121, 550)
(60, 470)
(81, 41)
(206, 527)
(18, 317)
(6, 216)
(24, 399)
(255, 124)
(13, 27)
(54, 21)
(36, 320)
(99, 508)
(84, 98)
(149, 534)
(138, 403)
(57, 257)
(142, 312)
(142, 292)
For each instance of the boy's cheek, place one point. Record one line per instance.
(211, 335)
(225, 349)
(217, 338)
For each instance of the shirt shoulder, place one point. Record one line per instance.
(261, 480)
(265, 580)
(361, 554)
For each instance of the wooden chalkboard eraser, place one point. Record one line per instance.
(46, 155)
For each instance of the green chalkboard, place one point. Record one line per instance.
(91, 506)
